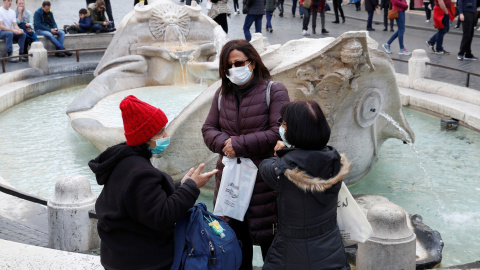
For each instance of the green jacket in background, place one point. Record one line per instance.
(98, 17)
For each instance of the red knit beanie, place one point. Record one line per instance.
(141, 120)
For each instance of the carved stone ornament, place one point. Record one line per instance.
(166, 15)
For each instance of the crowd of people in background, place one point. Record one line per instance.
(22, 26)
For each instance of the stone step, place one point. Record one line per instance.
(467, 113)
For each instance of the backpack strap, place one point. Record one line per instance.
(267, 95)
(179, 238)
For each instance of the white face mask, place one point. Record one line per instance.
(240, 75)
(281, 130)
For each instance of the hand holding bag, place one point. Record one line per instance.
(392, 13)
(354, 226)
(236, 187)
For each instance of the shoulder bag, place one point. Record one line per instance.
(392, 13)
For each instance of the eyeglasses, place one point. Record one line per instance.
(101, 7)
(238, 63)
(280, 122)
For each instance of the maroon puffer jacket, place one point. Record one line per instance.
(255, 128)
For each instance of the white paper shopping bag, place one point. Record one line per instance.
(353, 225)
(236, 188)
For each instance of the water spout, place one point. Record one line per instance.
(173, 34)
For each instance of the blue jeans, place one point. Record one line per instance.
(9, 37)
(100, 27)
(57, 42)
(400, 30)
(294, 7)
(249, 20)
(438, 37)
(269, 19)
(369, 20)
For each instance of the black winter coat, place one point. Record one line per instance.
(370, 5)
(137, 209)
(308, 236)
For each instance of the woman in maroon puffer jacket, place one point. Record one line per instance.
(243, 124)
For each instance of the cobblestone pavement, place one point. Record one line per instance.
(16, 231)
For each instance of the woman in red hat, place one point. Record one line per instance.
(139, 204)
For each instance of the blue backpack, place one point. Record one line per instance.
(198, 246)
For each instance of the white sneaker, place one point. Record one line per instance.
(427, 20)
(305, 33)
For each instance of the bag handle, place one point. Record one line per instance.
(267, 95)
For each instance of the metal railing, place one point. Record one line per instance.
(22, 195)
(468, 73)
(77, 52)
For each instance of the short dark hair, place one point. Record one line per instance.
(46, 3)
(82, 11)
(260, 72)
(307, 127)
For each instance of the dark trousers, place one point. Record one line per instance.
(428, 12)
(385, 19)
(369, 19)
(306, 17)
(357, 6)
(249, 20)
(243, 235)
(221, 19)
(136, 2)
(235, 5)
(337, 6)
(314, 19)
(108, 8)
(280, 6)
(438, 37)
(468, 30)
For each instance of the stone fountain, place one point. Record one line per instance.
(164, 43)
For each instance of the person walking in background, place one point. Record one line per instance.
(370, 7)
(401, 6)
(45, 25)
(236, 7)
(25, 22)
(467, 10)
(442, 15)
(318, 6)
(306, 18)
(269, 9)
(337, 6)
(243, 94)
(308, 177)
(84, 24)
(357, 5)
(9, 30)
(256, 9)
(219, 13)
(139, 204)
(428, 4)
(280, 7)
(385, 4)
(294, 7)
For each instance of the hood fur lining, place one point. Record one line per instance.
(307, 183)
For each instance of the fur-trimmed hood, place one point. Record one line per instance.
(316, 184)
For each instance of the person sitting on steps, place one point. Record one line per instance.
(99, 20)
(9, 30)
(45, 25)
(84, 23)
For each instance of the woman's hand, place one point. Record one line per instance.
(199, 178)
(228, 149)
(278, 146)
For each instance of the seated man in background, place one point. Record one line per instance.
(45, 25)
(99, 20)
(9, 30)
